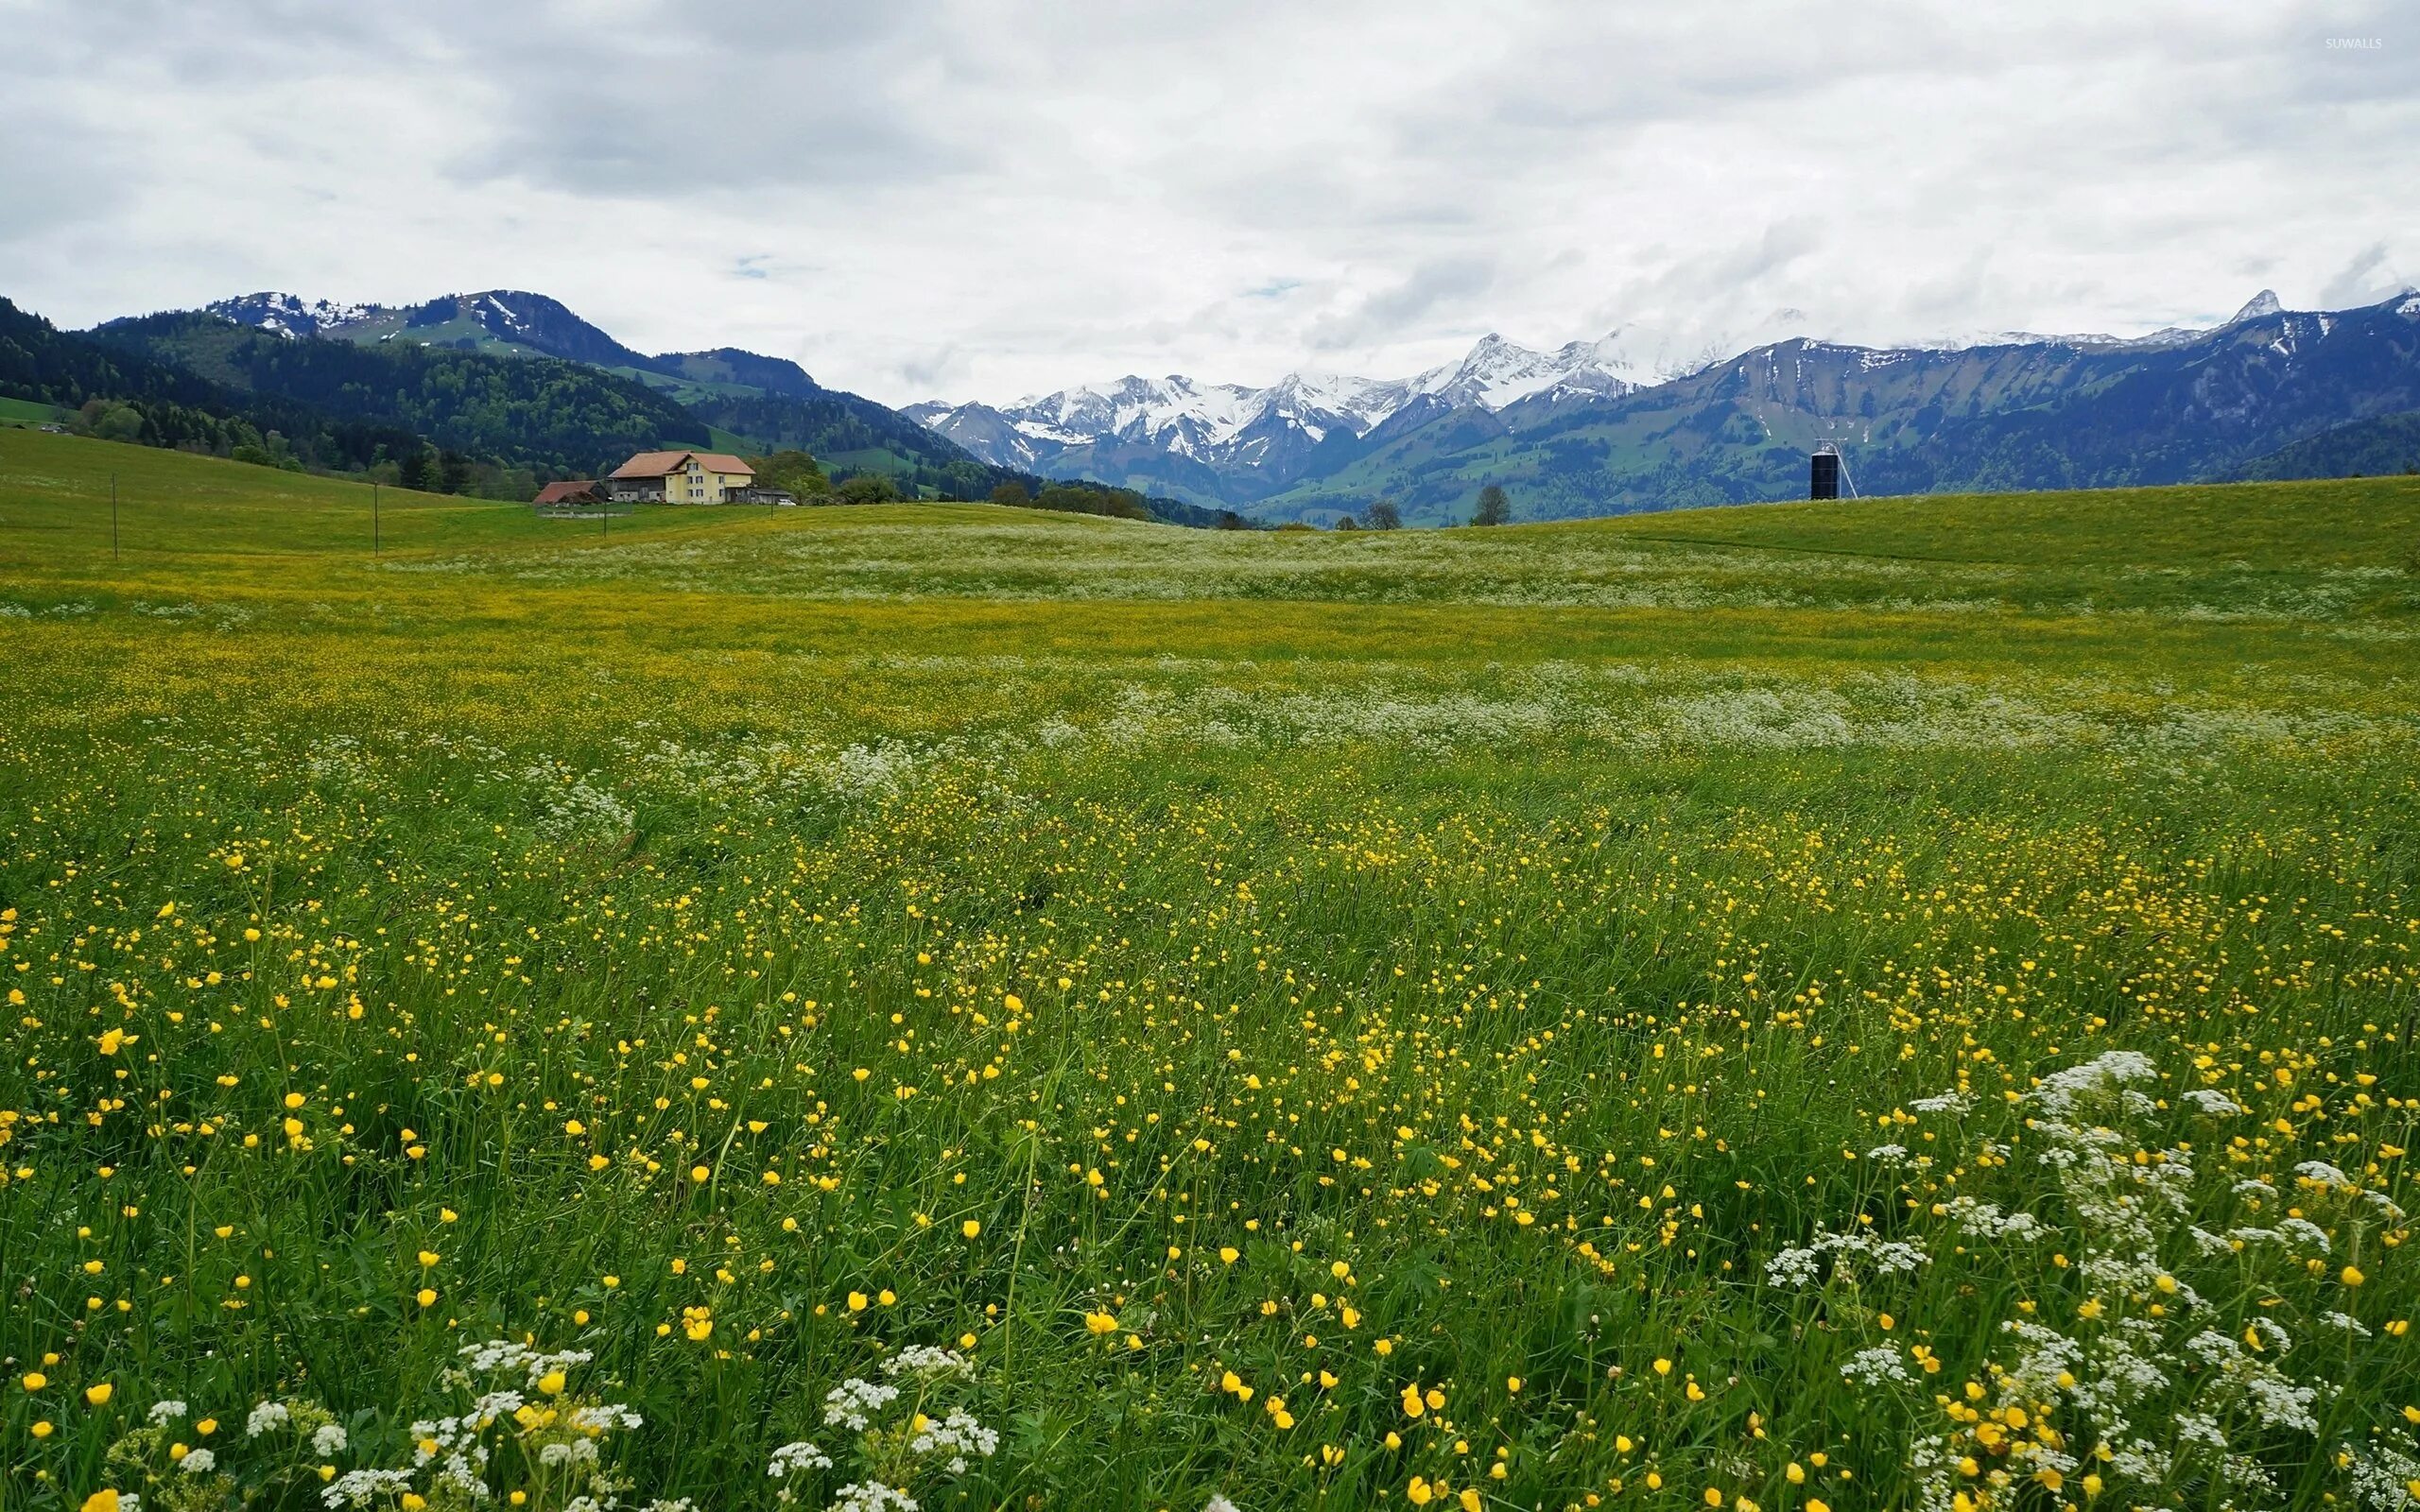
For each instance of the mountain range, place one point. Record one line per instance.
(514, 381)
(1616, 424)
(493, 393)
(749, 402)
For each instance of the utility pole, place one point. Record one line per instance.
(113, 517)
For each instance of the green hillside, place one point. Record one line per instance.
(29, 412)
(55, 506)
(564, 419)
(2259, 397)
(2383, 444)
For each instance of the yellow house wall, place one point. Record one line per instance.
(716, 487)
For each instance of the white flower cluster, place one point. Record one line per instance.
(504, 1357)
(163, 1412)
(363, 1488)
(574, 809)
(1870, 1367)
(955, 1436)
(872, 1496)
(929, 1362)
(2108, 1072)
(1984, 1220)
(578, 1451)
(265, 1417)
(1957, 1104)
(852, 1403)
(2156, 1394)
(797, 1459)
(1888, 1257)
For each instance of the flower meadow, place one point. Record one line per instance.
(930, 1009)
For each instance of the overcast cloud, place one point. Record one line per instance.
(922, 198)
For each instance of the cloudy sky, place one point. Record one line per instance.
(982, 198)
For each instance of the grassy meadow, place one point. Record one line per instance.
(1903, 1003)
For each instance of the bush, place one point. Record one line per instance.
(868, 487)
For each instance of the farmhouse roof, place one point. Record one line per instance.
(568, 488)
(662, 464)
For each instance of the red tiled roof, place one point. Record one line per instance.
(664, 464)
(570, 488)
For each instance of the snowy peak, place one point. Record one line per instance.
(1498, 372)
(1234, 424)
(2259, 306)
(288, 314)
(508, 321)
(1194, 417)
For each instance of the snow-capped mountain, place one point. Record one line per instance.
(1231, 426)
(1629, 422)
(2259, 307)
(505, 320)
(288, 314)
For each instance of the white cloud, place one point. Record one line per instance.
(974, 197)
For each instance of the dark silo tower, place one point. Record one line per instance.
(1824, 474)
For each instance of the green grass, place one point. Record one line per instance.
(1218, 981)
(55, 509)
(26, 412)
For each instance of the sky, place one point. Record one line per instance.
(988, 199)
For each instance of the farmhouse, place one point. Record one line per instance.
(569, 493)
(681, 477)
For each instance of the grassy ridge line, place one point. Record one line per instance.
(2328, 523)
(57, 489)
(2339, 523)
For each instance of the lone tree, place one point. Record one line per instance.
(1383, 515)
(797, 474)
(416, 470)
(1493, 507)
(1012, 494)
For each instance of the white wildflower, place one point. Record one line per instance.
(198, 1462)
(797, 1459)
(265, 1417)
(928, 1361)
(162, 1412)
(872, 1496)
(956, 1437)
(2305, 1230)
(852, 1403)
(360, 1488)
(1873, 1366)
